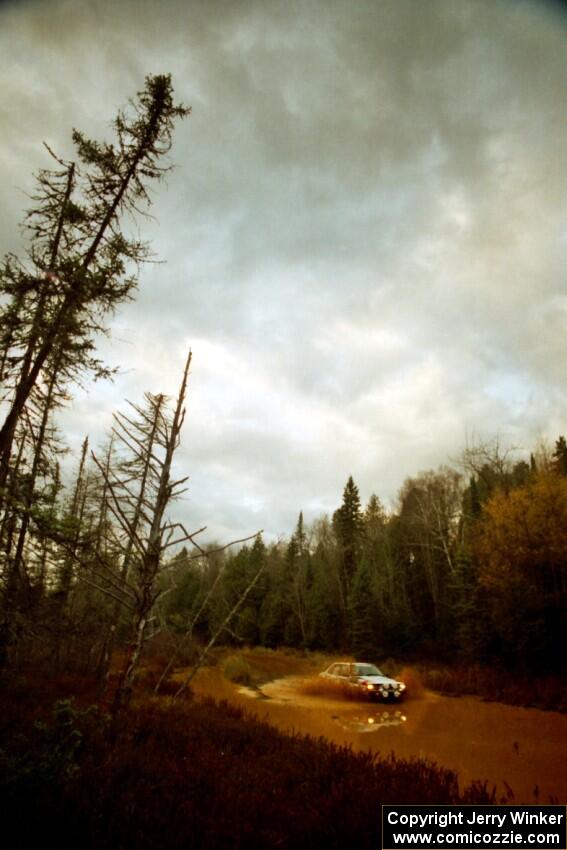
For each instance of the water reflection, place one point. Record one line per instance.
(371, 722)
(523, 747)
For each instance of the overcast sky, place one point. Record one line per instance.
(365, 236)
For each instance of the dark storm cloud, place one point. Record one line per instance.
(365, 233)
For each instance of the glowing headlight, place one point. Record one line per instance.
(370, 686)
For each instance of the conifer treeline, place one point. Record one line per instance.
(469, 567)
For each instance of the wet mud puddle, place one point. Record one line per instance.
(521, 748)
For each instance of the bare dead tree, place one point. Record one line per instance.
(487, 460)
(149, 441)
(138, 467)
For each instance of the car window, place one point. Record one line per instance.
(367, 670)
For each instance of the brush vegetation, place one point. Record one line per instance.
(545, 692)
(194, 775)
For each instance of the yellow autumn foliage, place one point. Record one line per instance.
(522, 537)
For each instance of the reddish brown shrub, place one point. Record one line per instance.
(201, 775)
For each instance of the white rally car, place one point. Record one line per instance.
(366, 678)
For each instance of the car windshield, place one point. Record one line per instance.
(368, 670)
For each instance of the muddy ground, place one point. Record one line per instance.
(520, 748)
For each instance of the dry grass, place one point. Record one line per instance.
(256, 666)
(236, 668)
(549, 692)
(275, 663)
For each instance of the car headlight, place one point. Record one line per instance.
(370, 686)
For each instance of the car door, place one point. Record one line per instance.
(352, 674)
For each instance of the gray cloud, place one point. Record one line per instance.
(365, 232)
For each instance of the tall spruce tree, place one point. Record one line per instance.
(363, 611)
(79, 267)
(560, 456)
(348, 526)
(79, 264)
(298, 580)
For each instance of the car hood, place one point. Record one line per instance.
(378, 680)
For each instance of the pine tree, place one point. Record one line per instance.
(325, 615)
(325, 608)
(78, 265)
(78, 268)
(560, 456)
(363, 611)
(247, 623)
(348, 526)
(298, 578)
(274, 609)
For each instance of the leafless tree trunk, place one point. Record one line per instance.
(150, 442)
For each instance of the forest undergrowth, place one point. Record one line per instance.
(190, 774)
